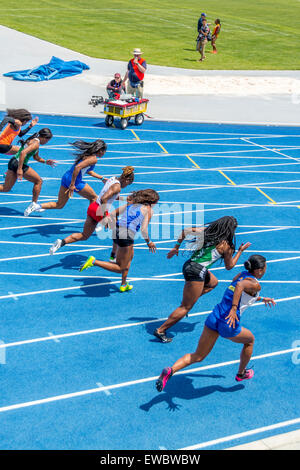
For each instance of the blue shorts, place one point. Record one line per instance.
(219, 324)
(66, 181)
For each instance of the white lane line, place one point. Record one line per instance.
(53, 337)
(107, 392)
(271, 150)
(43, 225)
(250, 432)
(117, 327)
(92, 391)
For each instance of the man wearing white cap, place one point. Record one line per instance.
(135, 74)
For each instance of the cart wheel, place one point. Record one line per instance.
(109, 120)
(139, 119)
(124, 123)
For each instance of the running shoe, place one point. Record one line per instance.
(112, 257)
(56, 246)
(88, 264)
(248, 374)
(162, 337)
(126, 287)
(163, 378)
(32, 208)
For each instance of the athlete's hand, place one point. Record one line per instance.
(51, 163)
(268, 301)
(71, 190)
(19, 174)
(244, 246)
(172, 253)
(152, 247)
(34, 121)
(232, 318)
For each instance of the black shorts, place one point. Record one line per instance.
(122, 238)
(13, 165)
(195, 272)
(4, 148)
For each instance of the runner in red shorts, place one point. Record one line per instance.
(98, 209)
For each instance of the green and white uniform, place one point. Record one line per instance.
(196, 268)
(13, 163)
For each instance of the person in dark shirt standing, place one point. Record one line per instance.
(199, 26)
(135, 74)
(115, 86)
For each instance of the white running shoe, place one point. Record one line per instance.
(32, 208)
(56, 246)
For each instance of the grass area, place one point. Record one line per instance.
(256, 34)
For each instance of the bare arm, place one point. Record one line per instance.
(33, 146)
(96, 175)
(251, 287)
(225, 250)
(186, 231)
(144, 228)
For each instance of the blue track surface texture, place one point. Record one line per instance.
(78, 359)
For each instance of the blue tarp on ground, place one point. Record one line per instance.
(57, 68)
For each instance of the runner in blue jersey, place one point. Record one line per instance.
(86, 158)
(224, 321)
(215, 241)
(133, 217)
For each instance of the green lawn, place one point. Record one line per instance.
(256, 34)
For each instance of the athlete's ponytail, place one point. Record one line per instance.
(144, 196)
(127, 175)
(87, 149)
(255, 262)
(42, 133)
(21, 114)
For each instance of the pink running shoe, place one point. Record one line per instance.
(163, 378)
(248, 374)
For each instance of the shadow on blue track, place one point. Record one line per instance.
(182, 387)
(9, 211)
(67, 262)
(180, 327)
(51, 231)
(99, 291)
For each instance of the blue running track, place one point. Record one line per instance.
(78, 360)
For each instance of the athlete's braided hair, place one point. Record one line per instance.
(86, 149)
(222, 229)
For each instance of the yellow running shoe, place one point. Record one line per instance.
(88, 264)
(126, 288)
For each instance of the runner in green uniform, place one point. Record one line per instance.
(18, 165)
(213, 242)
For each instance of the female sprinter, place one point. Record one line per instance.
(134, 216)
(225, 321)
(10, 127)
(17, 165)
(85, 162)
(98, 209)
(214, 241)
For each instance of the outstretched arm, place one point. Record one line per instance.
(186, 231)
(229, 260)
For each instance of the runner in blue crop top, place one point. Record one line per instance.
(86, 158)
(133, 217)
(225, 321)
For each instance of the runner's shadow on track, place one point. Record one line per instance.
(9, 211)
(89, 289)
(67, 262)
(180, 327)
(52, 231)
(182, 387)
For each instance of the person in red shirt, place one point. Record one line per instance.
(135, 74)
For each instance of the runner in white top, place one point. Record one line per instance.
(98, 209)
(135, 216)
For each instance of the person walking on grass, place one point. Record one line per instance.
(225, 321)
(134, 216)
(215, 241)
(86, 158)
(18, 167)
